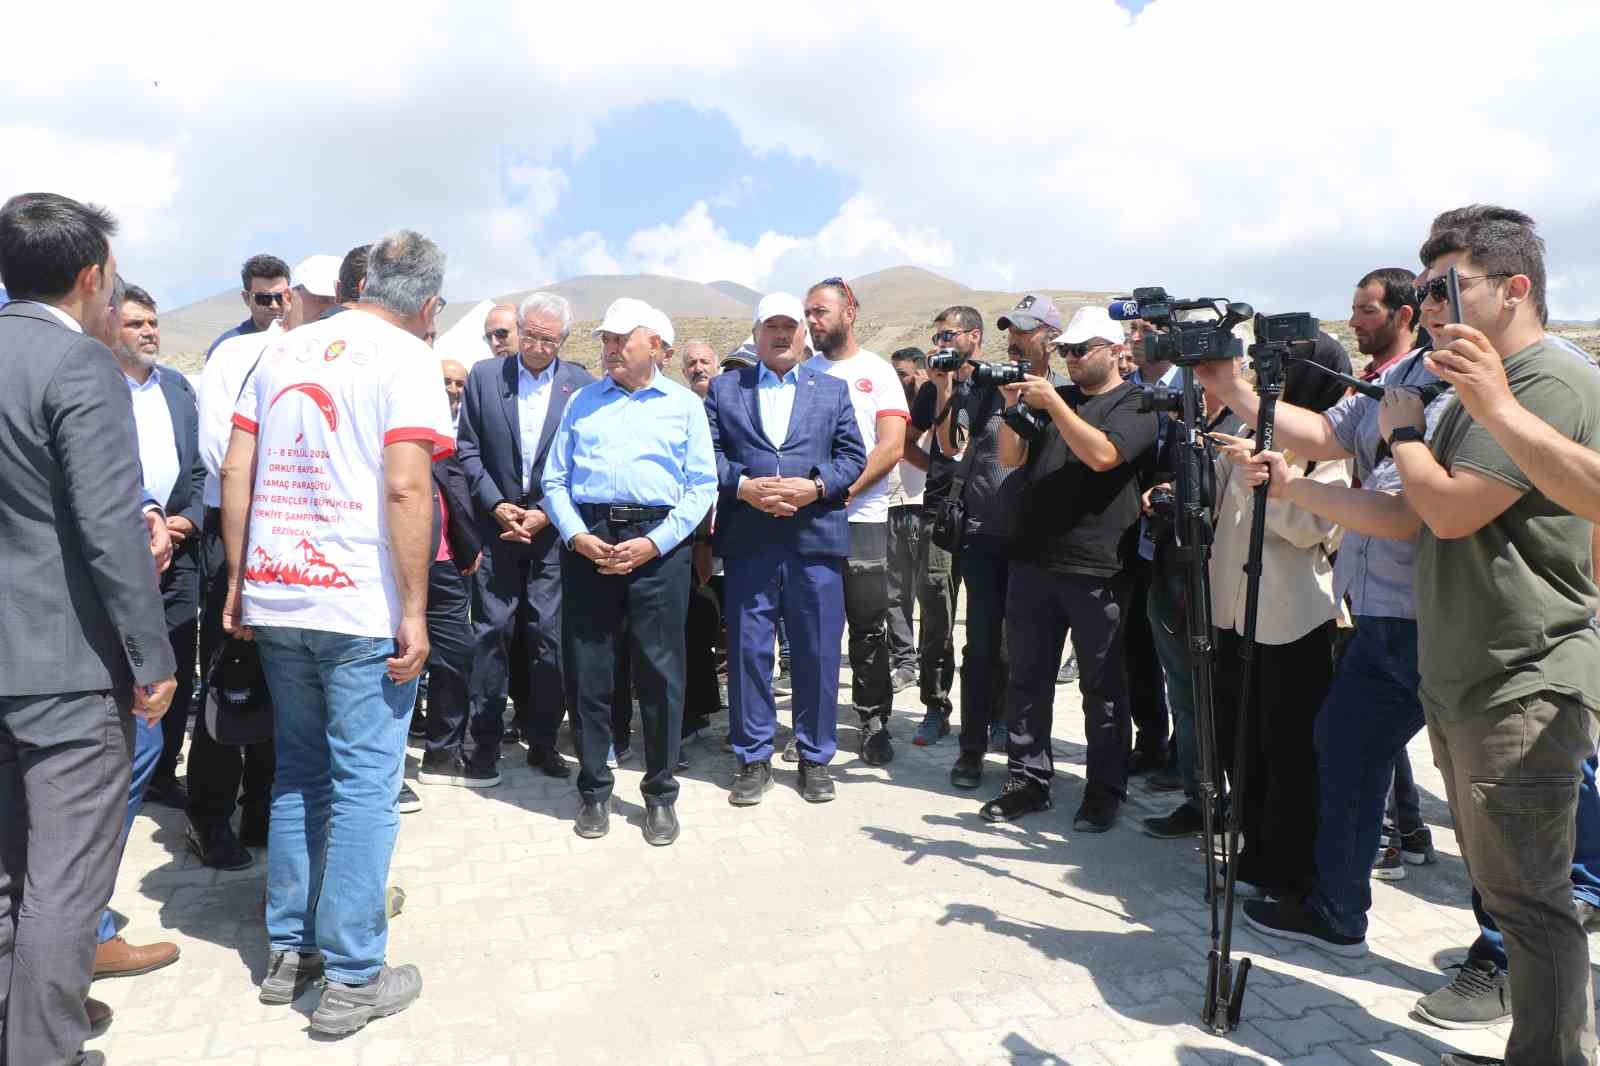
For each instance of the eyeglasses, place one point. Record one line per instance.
(1439, 289)
(945, 336)
(495, 335)
(443, 303)
(539, 340)
(268, 299)
(1078, 351)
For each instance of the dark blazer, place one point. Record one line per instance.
(823, 441)
(489, 444)
(450, 482)
(79, 606)
(180, 582)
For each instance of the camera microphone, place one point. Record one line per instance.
(1123, 310)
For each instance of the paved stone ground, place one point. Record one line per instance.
(892, 926)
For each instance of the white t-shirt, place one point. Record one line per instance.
(875, 390)
(324, 402)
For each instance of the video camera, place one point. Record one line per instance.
(1187, 342)
(983, 374)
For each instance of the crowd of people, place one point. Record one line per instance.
(319, 528)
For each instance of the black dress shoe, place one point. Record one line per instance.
(660, 825)
(548, 761)
(217, 847)
(594, 821)
(253, 823)
(169, 792)
(968, 770)
(754, 779)
(816, 783)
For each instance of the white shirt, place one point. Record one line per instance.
(533, 403)
(66, 320)
(324, 402)
(775, 401)
(875, 390)
(220, 382)
(158, 444)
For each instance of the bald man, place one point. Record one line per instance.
(500, 330)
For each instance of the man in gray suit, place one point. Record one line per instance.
(83, 636)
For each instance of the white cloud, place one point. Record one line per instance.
(1250, 148)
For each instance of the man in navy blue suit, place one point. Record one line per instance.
(509, 416)
(788, 450)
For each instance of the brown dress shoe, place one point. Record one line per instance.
(99, 1016)
(118, 958)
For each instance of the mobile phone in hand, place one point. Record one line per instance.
(1452, 284)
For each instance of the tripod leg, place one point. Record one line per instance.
(1236, 997)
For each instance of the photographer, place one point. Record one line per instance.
(990, 494)
(1076, 529)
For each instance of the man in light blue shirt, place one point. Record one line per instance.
(630, 475)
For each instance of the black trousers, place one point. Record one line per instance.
(701, 696)
(176, 721)
(511, 590)
(985, 570)
(215, 771)
(866, 613)
(938, 584)
(1147, 696)
(905, 549)
(1279, 802)
(449, 661)
(638, 618)
(1041, 608)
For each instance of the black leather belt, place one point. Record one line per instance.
(622, 513)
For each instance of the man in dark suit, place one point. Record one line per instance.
(788, 450)
(457, 552)
(509, 416)
(82, 639)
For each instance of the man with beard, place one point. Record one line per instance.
(881, 416)
(1076, 530)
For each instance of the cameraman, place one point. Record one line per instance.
(1075, 532)
(990, 493)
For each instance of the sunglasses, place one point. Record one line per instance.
(1083, 348)
(496, 335)
(268, 299)
(1439, 291)
(945, 336)
(842, 285)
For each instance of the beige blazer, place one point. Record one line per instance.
(1296, 564)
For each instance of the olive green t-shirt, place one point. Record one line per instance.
(1506, 612)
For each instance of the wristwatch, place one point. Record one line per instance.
(822, 490)
(1405, 433)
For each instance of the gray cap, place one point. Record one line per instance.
(1032, 310)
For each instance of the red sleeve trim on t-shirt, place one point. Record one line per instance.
(442, 446)
(244, 423)
(896, 414)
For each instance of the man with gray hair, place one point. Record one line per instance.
(509, 415)
(337, 429)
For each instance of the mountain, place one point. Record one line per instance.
(743, 293)
(193, 327)
(906, 290)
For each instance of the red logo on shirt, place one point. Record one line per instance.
(312, 569)
(335, 350)
(863, 385)
(319, 396)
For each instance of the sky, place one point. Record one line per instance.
(1251, 149)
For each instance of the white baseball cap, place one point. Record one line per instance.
(1091, 322)
(626, 315)
(663, 328)
(774, 304)
(318, 275)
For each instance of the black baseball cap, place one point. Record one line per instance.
(238, 703)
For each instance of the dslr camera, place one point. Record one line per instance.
(1163, 518)
(983, 374)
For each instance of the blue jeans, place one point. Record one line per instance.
(148, 742)
(1171, 638)
(341, 736)
(1491, 945)
(1370, 713)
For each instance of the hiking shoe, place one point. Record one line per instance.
(816, 782)
(754, 778)
(449, 768)
(1069, 670)
(935, 724)
(1185, 820)
(1098, 811)
(1019, 797)
(344, 1009)
(903, 678)
(288, 974)
(1416, 849)
(1479, 996)
(997, 737)
(968, 770)
(1289, 919)
(876, 750)
(408, 802)
(1389, 866)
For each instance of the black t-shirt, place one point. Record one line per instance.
(941, 469)
(1075, 520)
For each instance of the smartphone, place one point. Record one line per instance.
(1452, 284)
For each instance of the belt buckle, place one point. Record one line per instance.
(618, 514)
